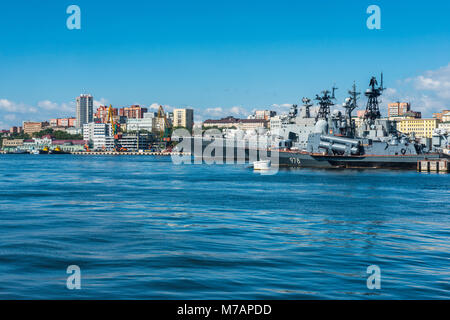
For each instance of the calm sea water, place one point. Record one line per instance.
(142, 228)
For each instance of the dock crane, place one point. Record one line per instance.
(114, 125)
(164, 126)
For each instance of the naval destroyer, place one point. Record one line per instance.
(334, 141)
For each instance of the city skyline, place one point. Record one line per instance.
(216, 59)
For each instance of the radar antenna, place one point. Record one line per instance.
(293, 112)
(325, 102)
(307, 104)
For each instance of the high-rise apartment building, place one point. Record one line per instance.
(183, 118)
(85, 107)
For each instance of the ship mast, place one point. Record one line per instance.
(372, 109)
(325, 102)
(350, 104)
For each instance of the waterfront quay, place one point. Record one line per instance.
(116, 153)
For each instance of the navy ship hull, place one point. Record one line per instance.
(308, 160)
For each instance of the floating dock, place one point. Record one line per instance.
(441, 166)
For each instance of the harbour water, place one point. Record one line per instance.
(140, 227)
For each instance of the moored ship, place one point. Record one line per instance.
(58, 150)
(335, 142)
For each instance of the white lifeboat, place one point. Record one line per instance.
(261, 165)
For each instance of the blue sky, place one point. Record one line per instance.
(219, 57)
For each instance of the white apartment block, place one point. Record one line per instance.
(99, 134)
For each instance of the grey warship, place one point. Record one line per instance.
(335, 142)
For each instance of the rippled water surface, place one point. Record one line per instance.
(141, 227)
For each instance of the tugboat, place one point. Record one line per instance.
(337, 143)
(45, 150)
(58, 150)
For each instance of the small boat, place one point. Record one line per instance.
(261, 165)
(34, 152)
(20, 151)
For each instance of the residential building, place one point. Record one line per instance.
(183, 118)
(63, 122)
(102, 114)
(277, 122)
(85, 106)
(147, 123)
(72, 122)
(402, 110)
(135, 142)
(135, 111)
(446, 117)
(231, 122)
(47, 141)
(8, 145)
(160, 123)
(30, 127)
(99, 135)
(439, 115)
(423, 128)
(70, 145)
(360, 113)
(263, 114)
(74, 130)
(444, 126)
(15, 130)
(37, 143)
(398, 108)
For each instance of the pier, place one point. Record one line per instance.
(440, 166)
(115, 153)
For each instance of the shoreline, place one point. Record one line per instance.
(101, 153)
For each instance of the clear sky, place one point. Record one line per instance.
(219, 57)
